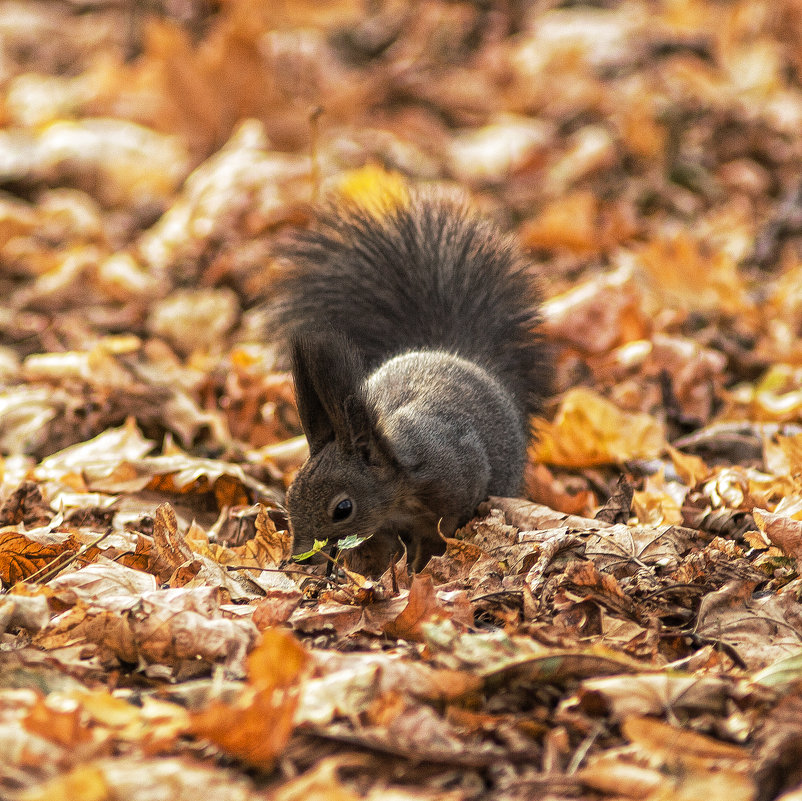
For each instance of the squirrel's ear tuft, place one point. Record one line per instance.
(328, 375)
(364, 435)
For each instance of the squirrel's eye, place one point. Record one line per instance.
(343, 510)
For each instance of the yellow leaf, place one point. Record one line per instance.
(269, 547)
(84, 782)
(691, 469)
(374, 189)
(588, 430)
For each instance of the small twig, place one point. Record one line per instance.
(582, 751)
(497, 594)
(718, 644)
(269, 569)
(314, 136)
(670, 587)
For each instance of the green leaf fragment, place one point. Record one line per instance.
(353, 541)
(317, 547)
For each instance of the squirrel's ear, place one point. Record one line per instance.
(314, 420)
(327, 372)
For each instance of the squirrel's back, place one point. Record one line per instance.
(420, 272)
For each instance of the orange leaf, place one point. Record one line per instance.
(21, 557)
(60, 721)
(258, 725)
(422, 607)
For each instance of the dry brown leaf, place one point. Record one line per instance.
(693, 767)
(240, 191)
(493, 152)
(655, 694)
(597, 316)
(529, 516)
(581, 581)
(122, 162)
(120, 610)
(541, 486)
(60, 720)
(611, 774)
(98, 458)
(422, 607)
(170, 548)
(22, 611)
(194, 319)
(691, 469)
(106, 583)
(184, 624)
(26, 554)
(276, 607)
(659, 501)
(709, 768)
(322, 783)
(269, 548)
(620, 548)
(761, 630)
(783, 531)
(138, 778)
(570, 223)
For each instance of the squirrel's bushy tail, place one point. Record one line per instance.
(421, 273)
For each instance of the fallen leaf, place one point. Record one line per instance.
(257, 727)
(422, 607)
(588, 430)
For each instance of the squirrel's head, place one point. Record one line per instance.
(346, 486)
(339, 492)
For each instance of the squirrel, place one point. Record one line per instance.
(412, 325)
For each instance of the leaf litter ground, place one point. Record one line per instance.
(631, 628)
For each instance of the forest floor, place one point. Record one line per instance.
(629, 629)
